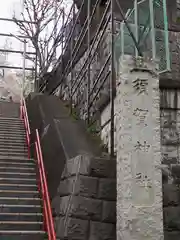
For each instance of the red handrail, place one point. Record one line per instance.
(48, 219)
(24, 117)
(44, 189)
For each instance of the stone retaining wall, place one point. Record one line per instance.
(85, 205)
(170, 144)
(171, 203)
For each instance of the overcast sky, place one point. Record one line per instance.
(8, 7)
(6, 11)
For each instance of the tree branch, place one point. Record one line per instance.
(41, 16)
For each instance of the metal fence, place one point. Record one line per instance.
(88, 73)
(89, 60)
(148, 23)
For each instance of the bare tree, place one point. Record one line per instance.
(40, 20)
(11, 80)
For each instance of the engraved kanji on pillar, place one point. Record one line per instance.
(139, 178)
(142, 140)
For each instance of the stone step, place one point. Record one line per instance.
(7, 149)
(17, 180)
(11, 123)
(14, 159)
(8, 143)
(15, 164)
(18, 225)
(9, 127)
(12, 132)
(13, 144)
(19, 193)
(20, 201)
(17, 175)
(13, 208)
(30, 217)
(14, 138)
(23, 235)
(13, 126)
(11, 119)
(10, 139)
(14, 154)
(18, 187)
(17, 170)
(9, 114)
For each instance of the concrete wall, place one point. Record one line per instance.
(62, 137)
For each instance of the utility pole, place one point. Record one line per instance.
(24, 68)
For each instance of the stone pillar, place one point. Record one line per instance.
(139, 177)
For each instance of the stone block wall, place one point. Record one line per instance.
(85, 205)
(171, 209)
(170, 144)
(170, 150)
(170, 126)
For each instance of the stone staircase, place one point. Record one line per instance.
(20, 201)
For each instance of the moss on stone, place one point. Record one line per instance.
(92, 128)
